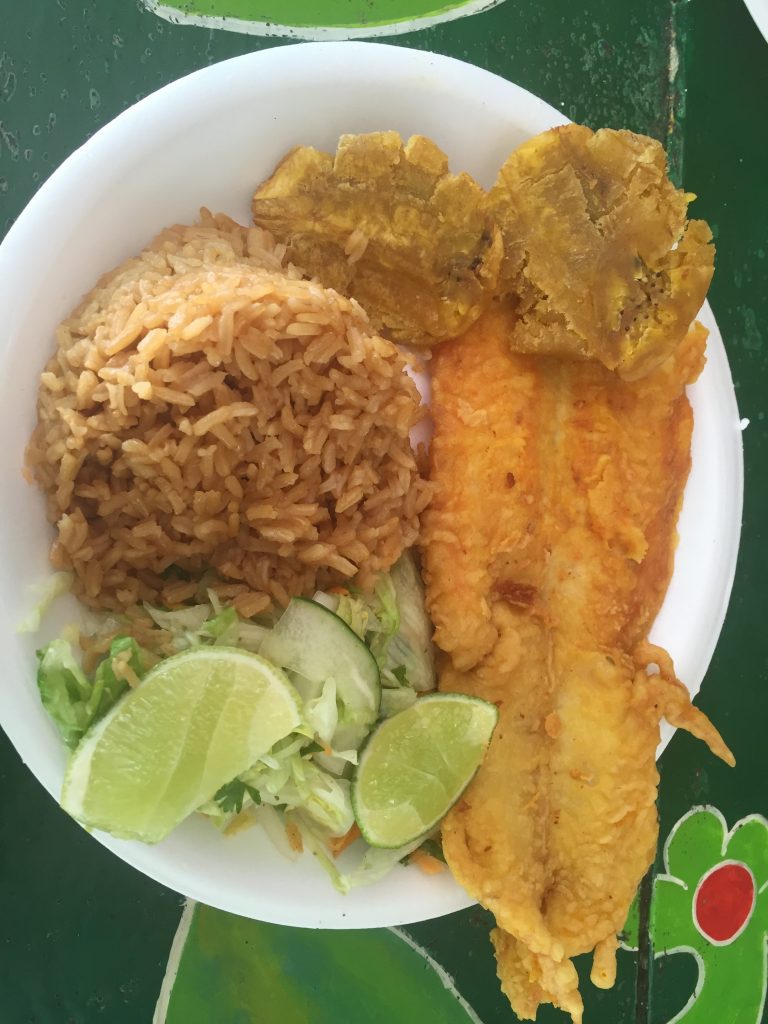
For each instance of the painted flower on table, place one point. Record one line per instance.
(228, 969)
(712, 903)
(316, 19)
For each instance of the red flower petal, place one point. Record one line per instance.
(724, 900)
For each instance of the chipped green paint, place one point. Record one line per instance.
(679, 37)
(314, 19)
(630, 936)
(227, 968)
(731, 986)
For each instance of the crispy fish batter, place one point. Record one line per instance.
(599, 256)
(548, 549)
(389, 225)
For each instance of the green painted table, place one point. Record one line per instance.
(86, 939)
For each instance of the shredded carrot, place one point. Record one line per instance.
(338, 844)
(342, 591)
(295, 841)
(426, 862)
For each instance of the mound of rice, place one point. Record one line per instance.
(210, 418)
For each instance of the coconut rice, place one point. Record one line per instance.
(211, 418)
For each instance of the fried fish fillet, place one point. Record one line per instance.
(386, 223)
(548, 548)
(598, 254)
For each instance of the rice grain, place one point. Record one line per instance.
(211, 418)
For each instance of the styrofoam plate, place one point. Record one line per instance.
(208, 139)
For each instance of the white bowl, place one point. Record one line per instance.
(208, 140)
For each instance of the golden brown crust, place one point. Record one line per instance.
(599, 258)
(583, 235)
(559, 825)
(385, 222)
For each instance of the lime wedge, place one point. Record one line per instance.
(417, 764)
(194, 723)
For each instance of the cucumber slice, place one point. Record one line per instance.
(313, 642)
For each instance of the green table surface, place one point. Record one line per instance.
(84, 938)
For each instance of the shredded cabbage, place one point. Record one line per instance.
(412, 646)
(322, 713)
(199, 624)
(297, 783)
(306, 776)
(72, 699)
(372, 866)
(336, 761)
(356, 613)
(395, 626)
(182, 623)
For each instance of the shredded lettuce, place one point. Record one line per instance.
(288, 777)
(374, 864)
(374, 617)
(181, 623)
(337, 761)
(222, 629)
(64, 690)
(394, 624)
(199, 624)
(386, 623)
(109, 687)
(208, 624)
(322, 713)
(412, 646)
(325, 798)
(394, 701)
(304, 778)
(74, 701)
(308, 689)
(296, 782)
(356, 613)
(327, 719)
(279, 758)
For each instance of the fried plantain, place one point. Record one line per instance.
(387, 223)
(599, 258)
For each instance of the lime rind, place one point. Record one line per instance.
(416, 765)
